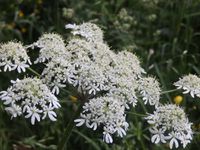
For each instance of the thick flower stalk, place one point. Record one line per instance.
(190, 84)
(170, 124)
(13, 56)
(31, 98)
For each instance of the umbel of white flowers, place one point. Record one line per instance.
(13, 56)
(190, 84)
(95, 68)
(169, 123)
(110, 82)
(88, 64)
(31, 98)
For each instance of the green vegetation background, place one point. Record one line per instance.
(165, 34)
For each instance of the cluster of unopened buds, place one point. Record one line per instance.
(110, 82)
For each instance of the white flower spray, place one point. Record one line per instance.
(13, 56)
(51, 46)
(190, 84)
(169, 123)
(31, 98)
(150, 90)
(109, 83)
(91, 32)
(97, 69)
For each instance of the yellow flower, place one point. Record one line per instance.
(20, 14)
(178, 99)
(73, 98)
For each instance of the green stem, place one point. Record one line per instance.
(142, 144)
(68, 130)
(137, 114)
(162, 81)
(33, 71)
(142, 104)
(192, 15)
(139, 137)
(64, 90)
(89, 140)
(169, 91)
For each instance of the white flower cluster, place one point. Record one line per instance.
(51, 46)
(108, 80)
(124, 73)
(83, 66)
(90, 62)
(30, 97)
(98, 69)
(169, 123)
(87, 30)
(57, 73)
(13, 56)
(150, 90)
(190, 84)
(109, 83)
(107, 111)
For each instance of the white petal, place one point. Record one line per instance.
(172, 142)
(37, 116)
(79, 122)
(107, 138)
(121, 132)
(3, 94)
(23, 68)
(192, 94)
(52, 115)
(187, 91)
(155, 139)
(55, 90)
(19, 69)
(28, 115)
(33, 119)
(94, 125)
(6, 67)
(70, 26)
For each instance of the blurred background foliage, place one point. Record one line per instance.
(165, 34)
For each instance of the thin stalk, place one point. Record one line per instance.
(140, 139)
(33, 71)
(162, 81)
(142, 104)
(89, 140)
(142, 144)
(192, 15)
(137, 114)
(169, 91)
(64, 90)
(68, 130)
